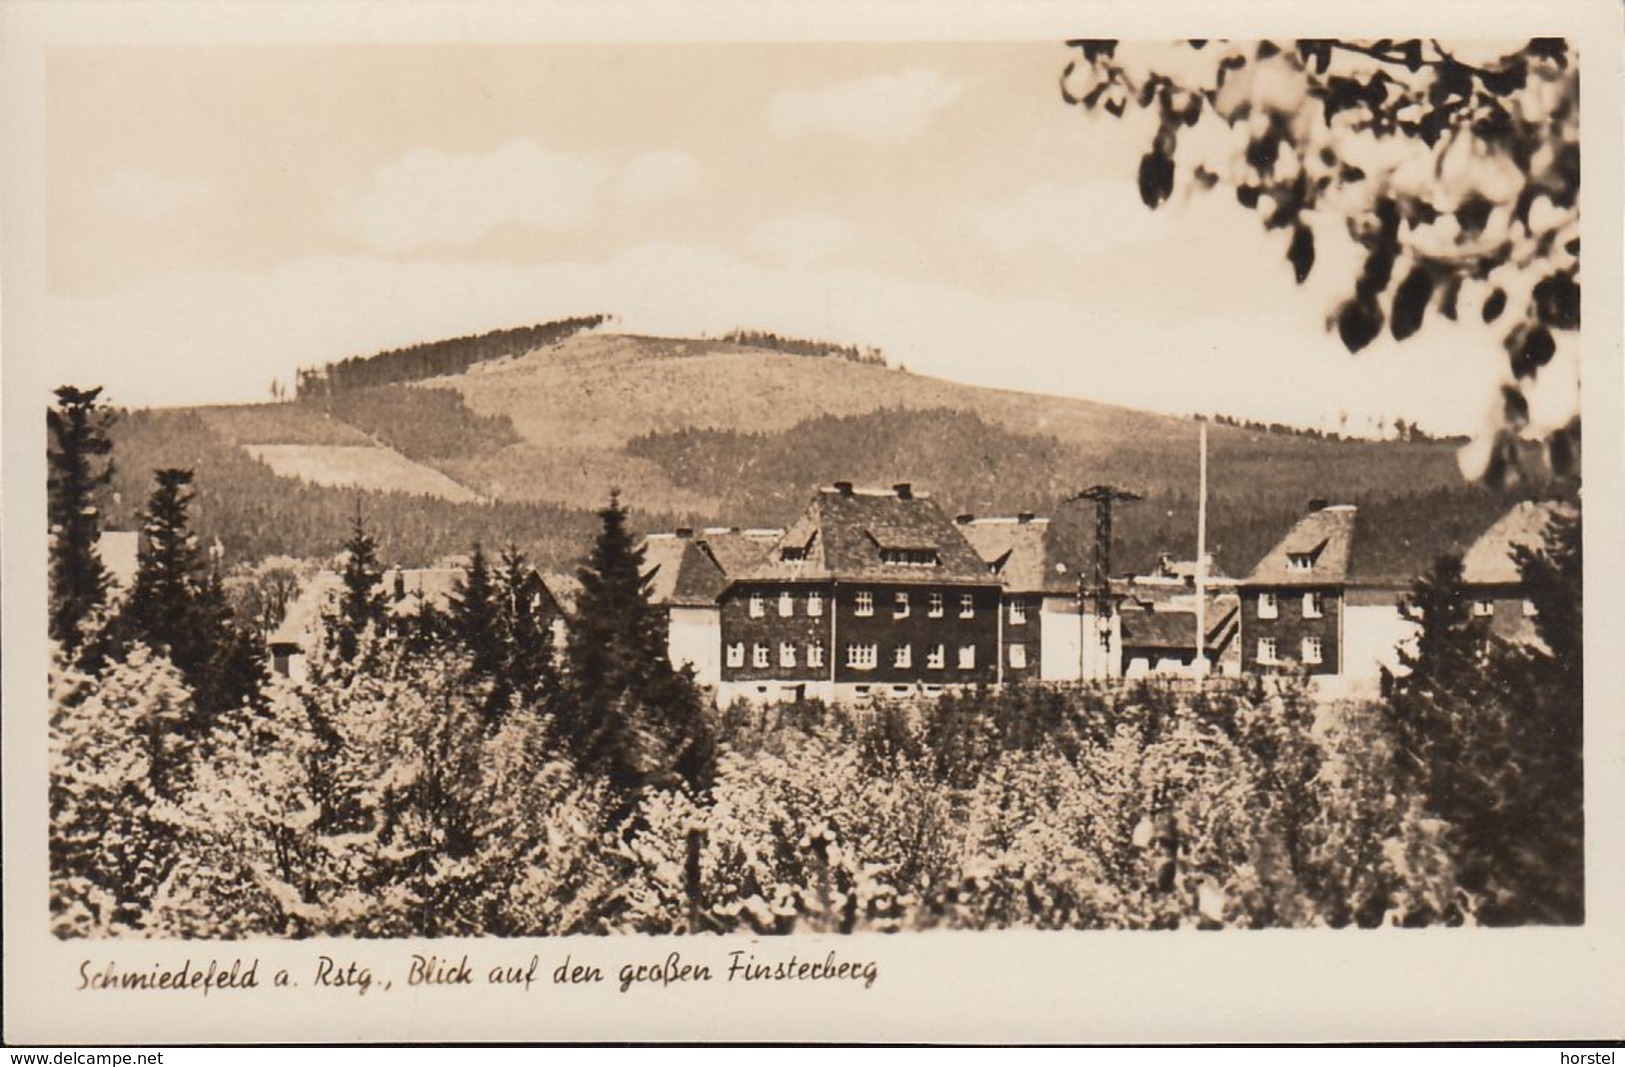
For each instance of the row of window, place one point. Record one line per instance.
(1314, 606)
(1269, 605)
(1310, 650)
(863, 656)
(864, 605)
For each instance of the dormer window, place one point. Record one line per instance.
(909, 557)
(1300, 561)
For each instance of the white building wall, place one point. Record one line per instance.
(1060, 638)
(1372, 637)
(694, 637)
(1102, 646)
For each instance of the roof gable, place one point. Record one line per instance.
(1316, 551)
(871, 534)
(1490, 561)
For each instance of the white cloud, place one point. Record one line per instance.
(430, 198)
(882, 107)
(1079, 222)
(656, 176)
(141, 193)
(801, 240)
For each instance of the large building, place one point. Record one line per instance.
(1042, 631)
(685, 573)
(1316, 604)
(869, 593)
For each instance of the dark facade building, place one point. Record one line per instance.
(870, 592)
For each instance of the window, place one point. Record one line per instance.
(787, 604)
(865, 603)
(862, 657)
(787, 654)
(1266, 650)
(935, 606)
(1314, 605)
(815, 604)
(815, 654)
(757, 608)
(758, 656)
(1018, 612)
(1483, 609)
(736, 654)
(902, 656)
(967, 657)
(967, 606)
(1529, 609)
(1018, 656)
(1268, 606)
(909, 557)
(1300, 561)
(1311, 650)
(899, 608)
(937, 658)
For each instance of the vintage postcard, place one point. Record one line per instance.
(1019, 523)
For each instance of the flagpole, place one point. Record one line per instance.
(1201, 559)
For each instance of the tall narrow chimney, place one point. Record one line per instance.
(904, 491)
(844, 488)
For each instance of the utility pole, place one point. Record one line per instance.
(1103, 497)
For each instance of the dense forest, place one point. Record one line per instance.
(435, 358)
(256, 514)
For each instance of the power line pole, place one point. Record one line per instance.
(1104, 497)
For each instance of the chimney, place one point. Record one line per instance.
(1317, 504)
(844, 488)
(904, 491)
(1025, 516)
(685, 532)
(966, 519)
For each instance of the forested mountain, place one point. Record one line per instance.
(719, 431)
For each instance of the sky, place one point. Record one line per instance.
(217, 216)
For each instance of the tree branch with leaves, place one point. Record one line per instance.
(1453, 174)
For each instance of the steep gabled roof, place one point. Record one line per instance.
(1327, 537)
(845, 534)
(1490, 561)
(689, 569)
(1021, 551)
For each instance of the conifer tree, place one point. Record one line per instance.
(362, 603)
(77, 472)
(163, 607)
(528, 669)
(474, 620)
(632, 717)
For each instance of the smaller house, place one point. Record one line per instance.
(1489, 569)
(1157, 618)
(290, 643)
(1044, 635)
(684, 574)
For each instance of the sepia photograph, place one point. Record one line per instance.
(727, 514)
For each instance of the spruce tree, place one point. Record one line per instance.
(528, 671)
(77, 472)
(163, 608)
(632, 717)
(362, 603)
(474, 619)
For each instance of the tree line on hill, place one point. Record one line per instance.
(256, 514)
(432, 359)
(1403, 430)
(805, 346)
(454, 774)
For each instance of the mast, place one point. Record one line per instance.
(1201, 559)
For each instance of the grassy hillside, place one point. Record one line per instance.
(699, 431)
